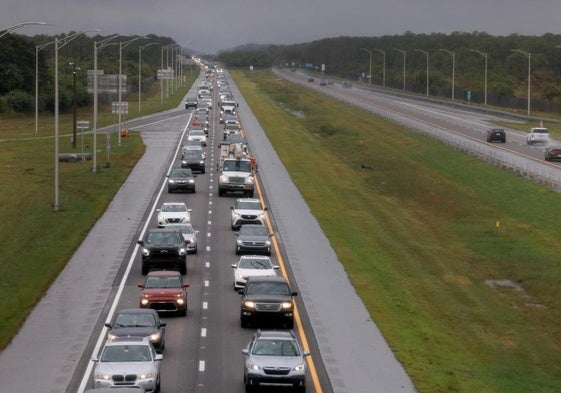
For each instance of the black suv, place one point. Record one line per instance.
(163, 248)
(496, 135)
(268, 299)
(194, 160)
(138, 322)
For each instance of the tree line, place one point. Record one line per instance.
(464, 54)
(20, 55)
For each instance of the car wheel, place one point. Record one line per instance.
(290, 324)
(203, 170)
(301, 389)
(183, 268)
(220, 192)
(193, 191)
(170, 190)
(183, 312)
(249, 388)
(243, 322)
(195, 250)
(250, 194)
(158, 387)
(144, 269)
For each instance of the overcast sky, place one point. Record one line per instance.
(212, 25)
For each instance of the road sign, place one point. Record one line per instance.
(83, 124)
(124, 107)
(165, 74)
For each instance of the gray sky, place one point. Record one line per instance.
(211, 25)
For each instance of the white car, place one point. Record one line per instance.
(251, 266)
(173, 213)
(189, 234)
(537, 135)
(129, 359)
(197, 135)
(247, 211)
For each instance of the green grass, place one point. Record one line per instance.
(35, 241)
(428, 227)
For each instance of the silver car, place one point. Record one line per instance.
(189, 234)
(126, 362)
(247, 211)
(274, 358)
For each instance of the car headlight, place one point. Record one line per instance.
(155, 336)
(201, 162)
(182, 251)
(147, 375)
(249, 180)
(253, 366)
(144, 302)
(239, 242)
(171, 181)
(249, 304)
(145, 252)
(223, 178)
(268, 242)
(180, 302)
(111, 336)
(300, 367)
(286, 305)
(191, 181)
(102, 376)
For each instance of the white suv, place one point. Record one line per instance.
(247, 211)
(537, 135)
(173, 213)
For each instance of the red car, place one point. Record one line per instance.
(165, 292)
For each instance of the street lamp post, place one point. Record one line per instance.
(9, 29)
(427, 55)
(529, 55)
(370, 69)
(484, 54)
(37, 49)
(74, 69)
(453, 54)
(383, 66)
(140, 48)
(404, 58)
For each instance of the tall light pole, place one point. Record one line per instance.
(140, 48)
(484, 54)
(453, 54)
(167, 68)
(404, 58)
(370, 70)
(98, 45)
(74, 70)
(529, 55)
(427, 55)
(37, 49)
(9, 29)
(383, 66)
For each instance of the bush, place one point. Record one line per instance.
(20, 101)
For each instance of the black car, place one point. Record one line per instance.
(191, 102)
(181, 179)
(496, 135)
(163, 248)
(194, 160)
(253, 238)
(138, 322)
(267, 299)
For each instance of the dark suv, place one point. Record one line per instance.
(163, 248)
(268, 299)
(496, 135)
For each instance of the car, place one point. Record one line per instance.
(173, 213)
(202, 111)
(247, 211)
(163, 248)
(181, 179)
(496, 135)
(138, 322)
(253, 238)
(267, 299)
(200, 123)
(190, 102)
(128, 362)
(192, 145)
(189, 235)
(311, 80)
(537, 135)
(164, 291)
(231, 128)
(197, 135)
(274, 358)
(347, 84)
(553, 153)
(194, 160)
(251, 266)
(206, 102)
(323, 82)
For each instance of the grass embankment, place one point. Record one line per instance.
(36, 242)
(456, 261)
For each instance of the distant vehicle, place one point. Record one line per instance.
(138, 322)
(194, 160)
(347, 84)
(496, 135)
(323, 82)
(181, 179)
(537, 135)
(128, 362)
(274, 358)
(310, 80)
(293, 70)
(252, 266)
(163, 248)
(197, 135)
(173, 213)
(164, 291)
(553, 153)
(191, 102)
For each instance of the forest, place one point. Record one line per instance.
(464, 58)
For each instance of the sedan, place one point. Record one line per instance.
(164, 291)
(553, 153)
(197, 135)
(189, 235)
(496, 135)
(253, 238)
(138, 322)
(173, 213)
(128, 362)
(181, 179)
(251, 266)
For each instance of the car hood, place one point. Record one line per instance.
(256, 272)
(268, 298)
(253, 238)
(165, 215)
(162, 291)
(125, 367)
(133, 331)
(277, 361)
(248, 212)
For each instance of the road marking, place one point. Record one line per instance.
(207, 283)
(205, 305)
(207, 264)
(201, 366)
(203, 332)
(208, 234)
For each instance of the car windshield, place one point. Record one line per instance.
(231, 127)
(163, 238)
(185, 229)
(244, 205)
(237, 166)
(255, 263)
(196, 132)
(275, 348)
(256, 230)
(163, 282)
(135, 320)
(126, 353)
(193, 154)
(267, 288)
(180, 173)
(179, 207)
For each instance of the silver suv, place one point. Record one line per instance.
(537, 135)
(127, 362)
(247, 211)
(274, 358)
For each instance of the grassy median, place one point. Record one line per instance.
(35, 241)
(457, 261)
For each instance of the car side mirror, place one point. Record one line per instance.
(140, 285)
(95, 359)
(241, 291)
(306, 354)
(186, 285)
(107, 324)
(294, 293)
(159, 357)
(245, 352)
(275, 267)
(233, 266)
(141, 242)
(162, 324)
